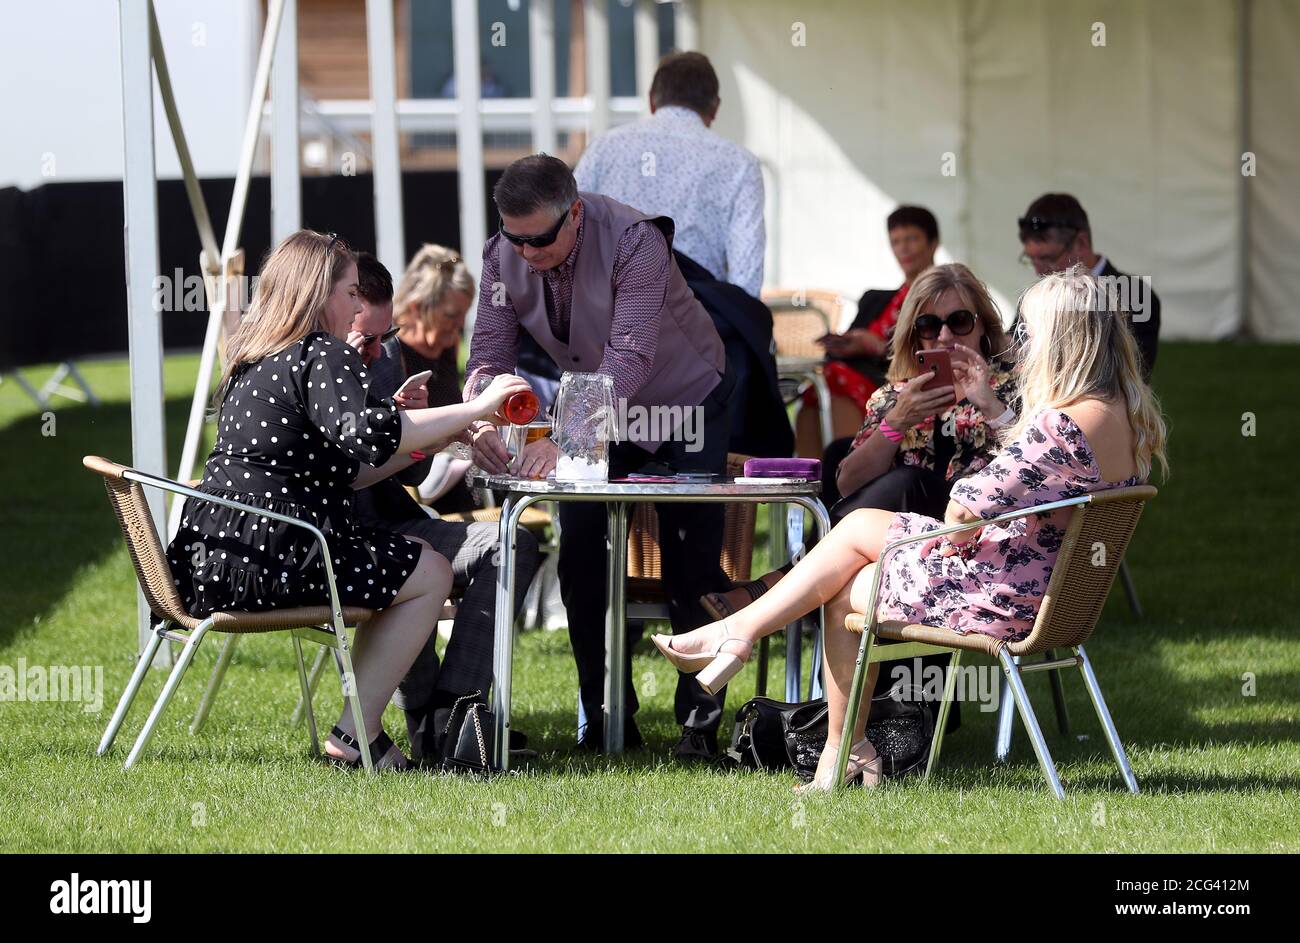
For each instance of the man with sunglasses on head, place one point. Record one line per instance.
(467, 663)
(1055, 234)
(594, 283)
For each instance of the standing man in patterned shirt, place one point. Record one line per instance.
(594, 283)
(672, 164)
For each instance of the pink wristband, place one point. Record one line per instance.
(889, 432)
(418, 456)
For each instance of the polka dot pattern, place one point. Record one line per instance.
(291, 435)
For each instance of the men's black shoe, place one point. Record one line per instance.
(696, 746)
(593, 741)
(519, 746)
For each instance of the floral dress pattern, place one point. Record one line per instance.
(995, 583)
(975, 446)
(293, 430)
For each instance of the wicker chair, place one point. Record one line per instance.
(324, 625)
(800, 317)
(1068, 615)
(645, 592)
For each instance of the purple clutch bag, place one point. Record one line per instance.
(807, 469)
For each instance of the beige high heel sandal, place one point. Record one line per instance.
(870, 770)
(712, 669)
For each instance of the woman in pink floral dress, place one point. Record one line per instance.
(1088, 422)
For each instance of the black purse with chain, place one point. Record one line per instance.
(772, 735)
(466, 735)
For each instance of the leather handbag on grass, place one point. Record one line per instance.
(466, 733)
(771, 734)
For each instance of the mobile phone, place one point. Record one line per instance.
(938, 362)
(416, 379)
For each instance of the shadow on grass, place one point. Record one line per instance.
(56, 519)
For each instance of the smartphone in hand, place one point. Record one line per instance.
(937, 361)
(413, 381)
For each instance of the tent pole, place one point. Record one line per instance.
(541, 60)
(140, 205)
(1243, 321)
(286, 172)
(385, 143)
(469, 136)
(198, 206)
(218, 313)
(686, 25)
(597, 34)
(645, 31)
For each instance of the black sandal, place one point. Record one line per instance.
(719, 607)
(379, 748)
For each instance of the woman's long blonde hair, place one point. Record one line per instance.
(922, 297)
(434, 271)
(289, 301)
(1077, 345)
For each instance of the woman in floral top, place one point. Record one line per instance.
(907, 466)
(933, 437)
(1089, 422)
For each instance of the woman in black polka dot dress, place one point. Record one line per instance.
(297, 432)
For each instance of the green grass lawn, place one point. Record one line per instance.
(1214, 560)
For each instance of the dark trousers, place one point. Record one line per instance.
(690, 542)
(467, 662)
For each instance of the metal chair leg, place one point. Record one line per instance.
(173, 681)
(348, 676)
(760, 683)
(941, 723)
(793, 660)
(815, 669)
(1129, 589)
(1058, 696)
(132, 688)
(860, 673)
(214, 682)
(1107, 724)
(306, 695)
(1006, 720)
(313, 679)
(1012, 672)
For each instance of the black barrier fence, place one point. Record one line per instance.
(63, 270)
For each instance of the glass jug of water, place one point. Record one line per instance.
(584, 425)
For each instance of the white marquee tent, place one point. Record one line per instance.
(1147, 110)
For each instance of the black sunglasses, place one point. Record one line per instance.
(928, 326)
(383, 338)
(537, 242)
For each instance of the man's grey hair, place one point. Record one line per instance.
(534, 183)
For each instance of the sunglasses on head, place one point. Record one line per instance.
(540, 241)
(1041, 224)
(928, 326)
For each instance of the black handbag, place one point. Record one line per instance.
(900, 727)
(466, 735)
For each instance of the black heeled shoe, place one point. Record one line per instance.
(379, 748)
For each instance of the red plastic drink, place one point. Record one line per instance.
(520, 409)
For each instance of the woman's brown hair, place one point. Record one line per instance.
(289, 301)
